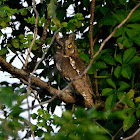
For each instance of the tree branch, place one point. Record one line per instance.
(35, 35)
(133, 135)
(113, 138)
(66, 97)
(92, 43)
(92, 9)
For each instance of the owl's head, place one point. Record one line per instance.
(66, 46)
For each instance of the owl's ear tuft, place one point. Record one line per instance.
(72, 36)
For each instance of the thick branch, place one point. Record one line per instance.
(66, 97)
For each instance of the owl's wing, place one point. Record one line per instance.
(69, 71)
(82, 85)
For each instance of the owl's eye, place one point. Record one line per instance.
(69, 46)
(58, 47)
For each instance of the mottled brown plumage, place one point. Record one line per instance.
(70, 66)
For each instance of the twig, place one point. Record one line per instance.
(103, 128)
(119, 101)
(92, 9)
(36, 97)
(29, 116)
(113, 138)
(95, 75)
(92, 59)
(133, 135)
(35, 35)
(96, 85)
(19, 57)
(97, 35)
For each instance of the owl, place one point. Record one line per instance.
(70, 65)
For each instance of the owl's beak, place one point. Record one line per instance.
(65, 51)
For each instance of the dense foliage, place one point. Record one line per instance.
(116, 68)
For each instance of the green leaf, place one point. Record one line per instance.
(23, 11)
(64, 24)
(111, 83)
(128, 122)
(52, 8)
(138, 113)
(21, 36)
(120, 95)
(120, 41)
(124, 98)
(23, 40)
(3, 51)
(136, 39)
(108, 59)
(128, 55)
(135, 16)
(100, 65)
(126, 71)
(110, 101)
(85, 3)
(108, 19)
(134, 60)
(56, 21)
(137, 99)
(15, 43)
(30, 20)
(122, 1)
(119, 32)
(6, 95)
(128, 110)
(123, 86)
(30, 36)
(84, 57)
(121, 46)
(107, 91)
(92, 69)
(117, 71)
(39, 132)
(128, 42)
(34, 116)
(128, 102)
(120, 15)
(131, 93)
(132, 32)
(118, 58)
